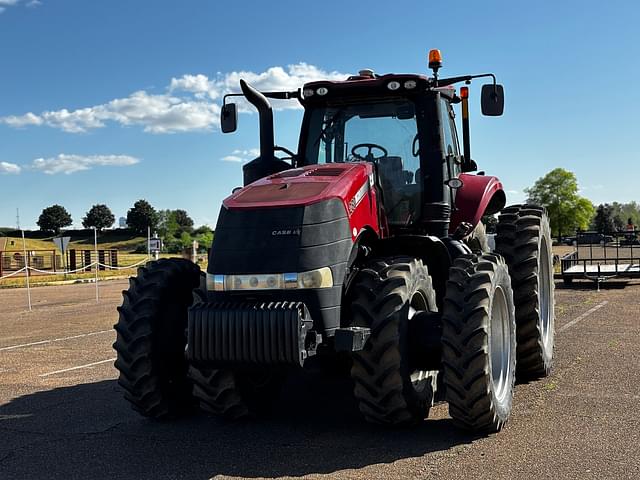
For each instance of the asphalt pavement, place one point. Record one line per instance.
(62, 414)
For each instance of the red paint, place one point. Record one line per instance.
(472, 198)
(315, 183)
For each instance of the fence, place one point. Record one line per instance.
(29, 262)
(50, 261)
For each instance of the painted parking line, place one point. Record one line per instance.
(88, 365)
(582, 317)
(53, 340)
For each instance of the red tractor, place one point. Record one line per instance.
(366, 246)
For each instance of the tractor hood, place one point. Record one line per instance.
(303, 186)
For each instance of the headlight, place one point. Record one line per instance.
(320, 278)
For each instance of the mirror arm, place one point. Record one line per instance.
(443, 82)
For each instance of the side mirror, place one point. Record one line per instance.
(492, 100)
(229, 118)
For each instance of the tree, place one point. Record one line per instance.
(98, 216)
(53, 218)
(204, 236)
(183, 220)
(608, 218)
(557, 191)
(141, 217)
(167, 225)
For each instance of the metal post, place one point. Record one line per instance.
(95, 249)
(148, 244)
(26, 268)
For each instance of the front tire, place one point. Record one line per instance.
(151, 338)
(385, 296)
(524, 240)
(479, 343)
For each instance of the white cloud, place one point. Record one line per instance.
(191, 102)
(68, 164)
(242, 155)
(9, 168)
(12, 3)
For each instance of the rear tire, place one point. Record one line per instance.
(524, 240)
(384, 296)
(151, 338)
(479, 343)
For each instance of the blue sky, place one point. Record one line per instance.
(109, 102)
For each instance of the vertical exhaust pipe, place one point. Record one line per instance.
(265, 111)
(266, 164)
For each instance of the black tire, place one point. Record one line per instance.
(478, 324)
(151, 338)
(382, 297)
(232, 394)
(524, 240)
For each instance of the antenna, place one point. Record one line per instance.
(17, 219)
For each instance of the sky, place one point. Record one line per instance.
(113, 101)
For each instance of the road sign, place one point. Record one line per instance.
(155, 244)
(62, 243)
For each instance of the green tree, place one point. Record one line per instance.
(628, 211)
(185, 240)
(98, 216)
(204, 236)
(141, 217)
(183, 220)
(53, 218)
(557, 191)
(167, 224)
(608, 218)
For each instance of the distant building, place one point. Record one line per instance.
(122, 222)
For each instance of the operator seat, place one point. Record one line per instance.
(393, 181)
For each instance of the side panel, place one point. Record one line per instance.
(478, 196)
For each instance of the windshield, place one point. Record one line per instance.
(384, 133)
(335, 131)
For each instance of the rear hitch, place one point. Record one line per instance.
(351, 339)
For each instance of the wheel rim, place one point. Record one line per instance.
(419, 378)
(544, 289)
(500, 345)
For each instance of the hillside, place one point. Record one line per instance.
(119, 240)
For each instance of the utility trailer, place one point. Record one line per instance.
(600, 257)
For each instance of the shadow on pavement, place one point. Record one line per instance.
(591, 285)
(89, 431)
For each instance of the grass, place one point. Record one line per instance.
(41, 280)
(105, 241)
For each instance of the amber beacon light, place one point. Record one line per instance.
(435, 59)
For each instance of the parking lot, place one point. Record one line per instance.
(62, 414)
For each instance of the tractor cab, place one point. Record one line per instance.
(401, 124)
(384, 121)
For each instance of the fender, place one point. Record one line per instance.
(479, 195)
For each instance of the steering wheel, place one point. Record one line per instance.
(370, 147)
